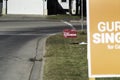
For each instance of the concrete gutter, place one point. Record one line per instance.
(38, 66)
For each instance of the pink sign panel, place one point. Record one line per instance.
(70, 33)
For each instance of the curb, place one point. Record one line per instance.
(75, 21)
(38, 66)
(43, 62)
(44, 51)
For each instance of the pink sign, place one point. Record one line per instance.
(70, 33)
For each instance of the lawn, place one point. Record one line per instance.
(63, 17)
(65, 60)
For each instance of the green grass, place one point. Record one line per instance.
(63, 17)
(66, 61)
(108, 79)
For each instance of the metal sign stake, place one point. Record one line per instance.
(82, 15)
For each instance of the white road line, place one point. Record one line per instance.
(68, 24)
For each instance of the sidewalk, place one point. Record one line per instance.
(38, 18)
(22, 17)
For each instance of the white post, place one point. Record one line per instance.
(44, 7)
(4, 7)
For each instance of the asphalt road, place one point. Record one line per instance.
(22, 40)
(34, 27)
(15, 52)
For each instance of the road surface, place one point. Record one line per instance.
(21, 41)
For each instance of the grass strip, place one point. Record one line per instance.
(63, 17)
(67, 61)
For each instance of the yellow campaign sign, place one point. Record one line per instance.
(103, 38)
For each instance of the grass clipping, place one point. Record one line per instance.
(65, 61)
